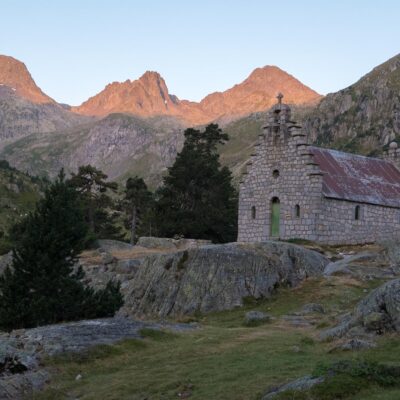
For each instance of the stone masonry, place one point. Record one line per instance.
(283, 169)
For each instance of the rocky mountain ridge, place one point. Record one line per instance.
(41, 138)
(20, 117)
(14, 74)
(362, 118)
(149, 96)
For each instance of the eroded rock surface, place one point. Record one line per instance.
(22, 350)
(215, 277)
(301, 384)
(365, 266)
(377, 313)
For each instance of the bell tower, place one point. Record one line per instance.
(279, 124)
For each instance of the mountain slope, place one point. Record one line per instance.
(24, 108)
(19, 193)
(14, 74)
(149, 96)
(119, 144)
(362, 118)
(20, 117)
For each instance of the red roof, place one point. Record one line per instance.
(357, 178)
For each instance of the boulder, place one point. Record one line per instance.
(107, 245)
(311, 308)
(380, 310)
(377, 313)
(364, 266)
(5, 261)
(216, 277)
(254, 318)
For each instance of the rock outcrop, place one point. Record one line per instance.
(377, 313)
(214, 277)
(299, 385)
(21, 351)
(363, 117)
(364, 265)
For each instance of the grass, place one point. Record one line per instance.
(223, 359)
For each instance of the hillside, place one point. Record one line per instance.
(20, 117)
(220, 355)
(124, 145)
(18, 195)
(149, 96)
(362, 118)
(119, 144)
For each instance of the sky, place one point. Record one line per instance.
(74, 48)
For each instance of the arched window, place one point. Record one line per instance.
(357, 213)
(275, 173)
(297, 211)
(253, 212)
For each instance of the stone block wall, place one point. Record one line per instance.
(299, 183)
(284, 148)
(337, 224)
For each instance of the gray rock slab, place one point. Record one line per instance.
(378, 312)
(364, 265)
(256, 317)
(108, 245)
(304, 383)
(22, 350)
(216, 277)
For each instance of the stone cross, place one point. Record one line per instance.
(279, 97)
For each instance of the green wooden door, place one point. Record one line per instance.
(275, 217)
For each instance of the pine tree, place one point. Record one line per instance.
(42, 286)
(138, 202)
(197, 199)
(93, 187)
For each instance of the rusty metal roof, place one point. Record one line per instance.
(357, 178)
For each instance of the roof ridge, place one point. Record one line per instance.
(350, 154)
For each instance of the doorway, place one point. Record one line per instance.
(275, 216)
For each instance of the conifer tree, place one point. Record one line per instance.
(42, 286)
(93, 187)
(197, 199)
(138, 206)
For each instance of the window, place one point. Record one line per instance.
(253, 212)
(275, 173)
(357, 213)
(297, 211)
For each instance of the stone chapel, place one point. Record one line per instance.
(293, 190)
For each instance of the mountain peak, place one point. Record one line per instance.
(150, 75)
(149, 96)
(14, 74)
(146, 96)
